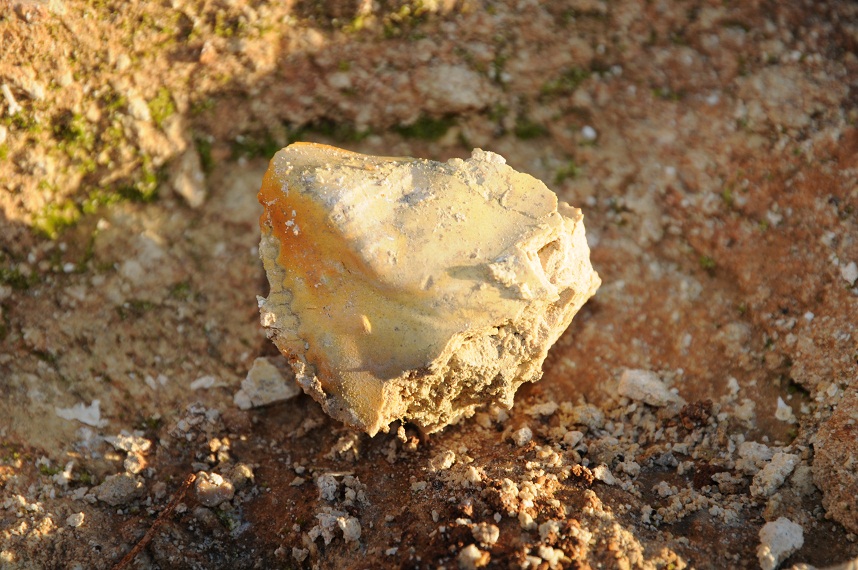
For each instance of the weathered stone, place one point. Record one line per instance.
(212, 489)
(645, 386)
(409, 289)
(778, 539)
(266, 383)
(835, 468)
(119, 489)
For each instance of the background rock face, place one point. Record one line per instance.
(416, 290)
(712, 147)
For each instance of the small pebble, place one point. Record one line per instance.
(212, 489)
(75, 520)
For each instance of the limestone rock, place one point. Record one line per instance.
(403, 288)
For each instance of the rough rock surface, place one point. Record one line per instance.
(412, 289)
(836, 465)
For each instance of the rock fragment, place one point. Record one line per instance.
(75, 520)
(89, 415)
(188, 178)
(471, 558)
(409, 289)
(645, 386)
(773, 475)
(485, 533)
(835, 466)
(213, 489)
(266, 383)
(119, 489)
(331, 520)
(778, 539)
(849, 272)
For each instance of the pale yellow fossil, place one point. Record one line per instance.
(409, 289)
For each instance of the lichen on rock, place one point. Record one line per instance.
(403, 288)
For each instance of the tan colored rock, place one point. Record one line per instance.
(835, 467)
(403, 288)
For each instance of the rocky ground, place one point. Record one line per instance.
(700, 411)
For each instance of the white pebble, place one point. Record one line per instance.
(522, 436)
(778, 539)
(472, 557)
(783, 412)
(849, 272)
(645, 386)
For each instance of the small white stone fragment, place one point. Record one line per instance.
(442, 461)
(203, 383)
(3, 133)
(522, 436)
(603, 474)
(486, 534)
(12, 106)
(350, 527)
(753, 456)
(773, 475)
(849, 272)
(784, 412)
(525, 521)
(645, 386)
(89, 415)
(75, 520)
(129, 442)
(265, 384)
(471, 558)
(188, 178)
(300, 554)
(330, 520)
(328, 487)
(573, 438)
(119, 489)
(35, 90)
(543, 409)
(64, 477)
(589, 133)
(212, 489)
(778, 539)
(552, 556)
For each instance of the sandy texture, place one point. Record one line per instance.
(414, 290)
(713, 148)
